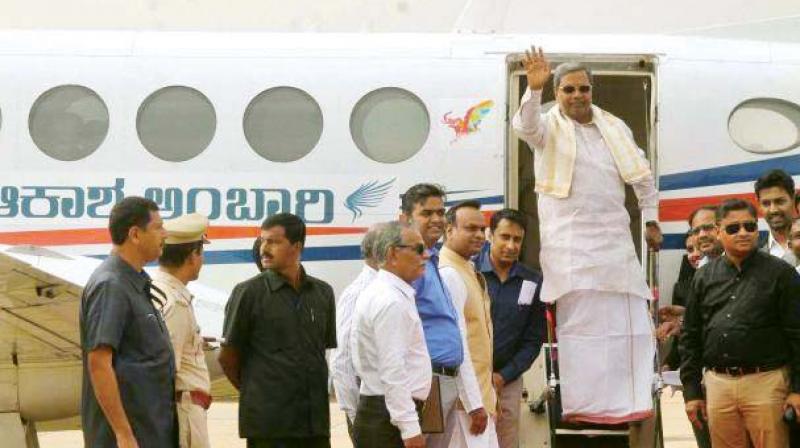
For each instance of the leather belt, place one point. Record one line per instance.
(198, 397)
(741, 371)
(446, 371)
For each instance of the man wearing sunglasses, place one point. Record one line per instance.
(775, 194)
(388, 345)
(583, 159)
(741, 338)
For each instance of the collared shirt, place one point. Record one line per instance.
(777, 249)
(342, 370)
(187, 342)
(439, 316)
(116, 312)
(281, 335)
(747, 318)
(517, 314)
(574, 254)
(389, 350)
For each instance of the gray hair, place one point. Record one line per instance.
(567, 68)
(390, 235)
(368, 243)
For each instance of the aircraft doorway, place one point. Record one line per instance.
(624, 88)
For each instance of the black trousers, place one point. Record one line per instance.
(298, 442)
(372, 427)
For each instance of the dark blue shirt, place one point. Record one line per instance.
(519, 324)
(439, 316)
(116, 311)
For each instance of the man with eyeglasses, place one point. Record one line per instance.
(583, 158)
(703, 225)
(706, 246)
(741, 338)
(703, 238)
(775, 194)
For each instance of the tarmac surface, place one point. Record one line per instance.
(223, 429)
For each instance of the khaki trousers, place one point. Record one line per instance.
(508, 420)
(747, 406)
(192, 424)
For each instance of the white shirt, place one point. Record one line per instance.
(389, 351)
(586, 242)
(342, 370)
(778, 250)
(469, 391)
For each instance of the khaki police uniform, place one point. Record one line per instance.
(192, 384)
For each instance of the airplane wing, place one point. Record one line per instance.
(39, 295)
(40, 292)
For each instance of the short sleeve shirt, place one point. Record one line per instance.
(281, 335)
(116, 311)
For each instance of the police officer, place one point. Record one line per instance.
(179, 264)
(128, 394)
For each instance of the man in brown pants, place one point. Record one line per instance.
(742, 325)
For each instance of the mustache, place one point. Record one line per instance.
(705, 239)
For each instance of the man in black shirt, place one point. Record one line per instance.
(277, 327)
(743, 326)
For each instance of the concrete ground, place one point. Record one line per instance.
(224, 433)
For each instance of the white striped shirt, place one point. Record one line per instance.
(342, 370)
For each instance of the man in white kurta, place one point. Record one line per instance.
(604, 331)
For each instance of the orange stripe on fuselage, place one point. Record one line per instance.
(680, 209)
(69, 237)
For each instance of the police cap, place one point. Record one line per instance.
(186, 229)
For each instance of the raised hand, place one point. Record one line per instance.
(536, 67)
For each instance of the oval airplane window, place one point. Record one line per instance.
(390, 125)
(68, 122)
(176, 123)
(283, 124)
(765, 125)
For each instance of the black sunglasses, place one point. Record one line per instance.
(419, 248)
(703, 227)
(569, 90)
(749, 227)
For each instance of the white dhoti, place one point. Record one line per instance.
(606, 357)
(462, 438)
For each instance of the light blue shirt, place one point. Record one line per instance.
(439, 316)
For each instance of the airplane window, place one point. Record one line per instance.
(68, 122)
(765, 125)
(176, 123)
(390, 124)
(283, 124)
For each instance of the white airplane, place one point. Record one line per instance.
(334, 128)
